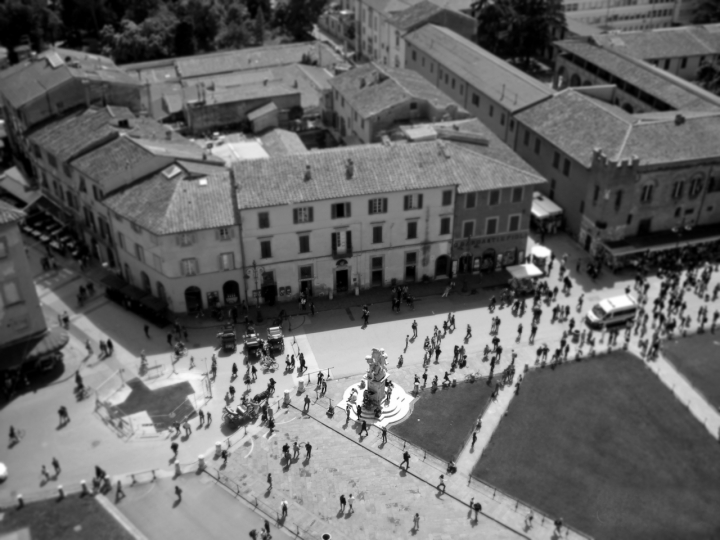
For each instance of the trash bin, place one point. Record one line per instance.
(286, 400)
(301, 385)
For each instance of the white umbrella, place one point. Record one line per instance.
(3, 472)
(541, 252)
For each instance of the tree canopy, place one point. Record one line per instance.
(518, 29)
(708, 11)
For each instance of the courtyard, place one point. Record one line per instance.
(603, 444)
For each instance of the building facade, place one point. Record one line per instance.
(486, 86)
(21, 315)
(623, 14)
(624, 179)
(177, 237)
(370, 100)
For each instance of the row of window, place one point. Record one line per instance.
(694, 188)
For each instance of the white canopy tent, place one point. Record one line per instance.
(522, 271)
(543, 207)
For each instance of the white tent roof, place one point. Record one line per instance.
(521, 271)
(543, 207)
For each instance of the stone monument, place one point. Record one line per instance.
(375, 377)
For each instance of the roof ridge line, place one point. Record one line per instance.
(621, 148)
(495, 160)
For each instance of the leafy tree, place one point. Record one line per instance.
(84, 19)
(259, 27)
(707, 12)
(185, 39)
(206, 17)
(149, 40)
(517, 28)
(297, 17)
(709, 76)
(22, 20)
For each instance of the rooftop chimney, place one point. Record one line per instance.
(168, 135)
(679, 119)
(308, 173)
(349, 169)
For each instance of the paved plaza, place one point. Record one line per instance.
(386, 496)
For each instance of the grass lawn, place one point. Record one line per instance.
(441, 422)
(74, 517)
(604, 444)
(698, 358)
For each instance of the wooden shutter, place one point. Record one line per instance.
(310, 210)
(384, 206)
(406, 202)
(333, 242)
(295, 215)
(420, 195)
(370, 206)
(347, 209)
(348, 240)
(333, 211)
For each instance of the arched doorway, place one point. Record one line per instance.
(145, 281)
(193, 299)
(465, 264)
(575, 80)
(231, 292)
(162, 295)
(441, 266)
(488, 260)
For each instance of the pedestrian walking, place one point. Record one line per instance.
(175, 447)
(187, 429)
(56, 465)
(306, 407)
(308, 448)
(201, 414)
(119, 494)
(103, 349)
(474, 439)
(14, 438)
(234, 372)
(110, 347)
(88, 346)
(45, 474)
(209, 418)
(441, 485)
(406, 460)
(414, 329)
(269, 481)
(343, 502)
(478, 508)
(351, 499)
(178, 492)
(284, 508)
(253, 373)
(520, 331)
(66, 320)
(468, 335)
(312, 309)
(267, 528)
(416, 522)
(384, 434)
(364, 428)
(146, 329)
(192, 362)
(170, 338)
(64, 416)
(296, 450)
(224, 455)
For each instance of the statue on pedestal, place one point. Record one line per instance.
(375, 376)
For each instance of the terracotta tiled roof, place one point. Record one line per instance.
(182, 203)
(372, 89)
(9, 214)
(576, 124)
(494, 77)
(376, 169)
(112, 158)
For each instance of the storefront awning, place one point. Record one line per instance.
(543, 207)
(31, 349)
(663, 241)
(522, 271)
(541, 252)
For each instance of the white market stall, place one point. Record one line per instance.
(524, 276)
(540, 255)
(546, 215)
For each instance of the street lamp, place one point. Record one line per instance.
(254, 272)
